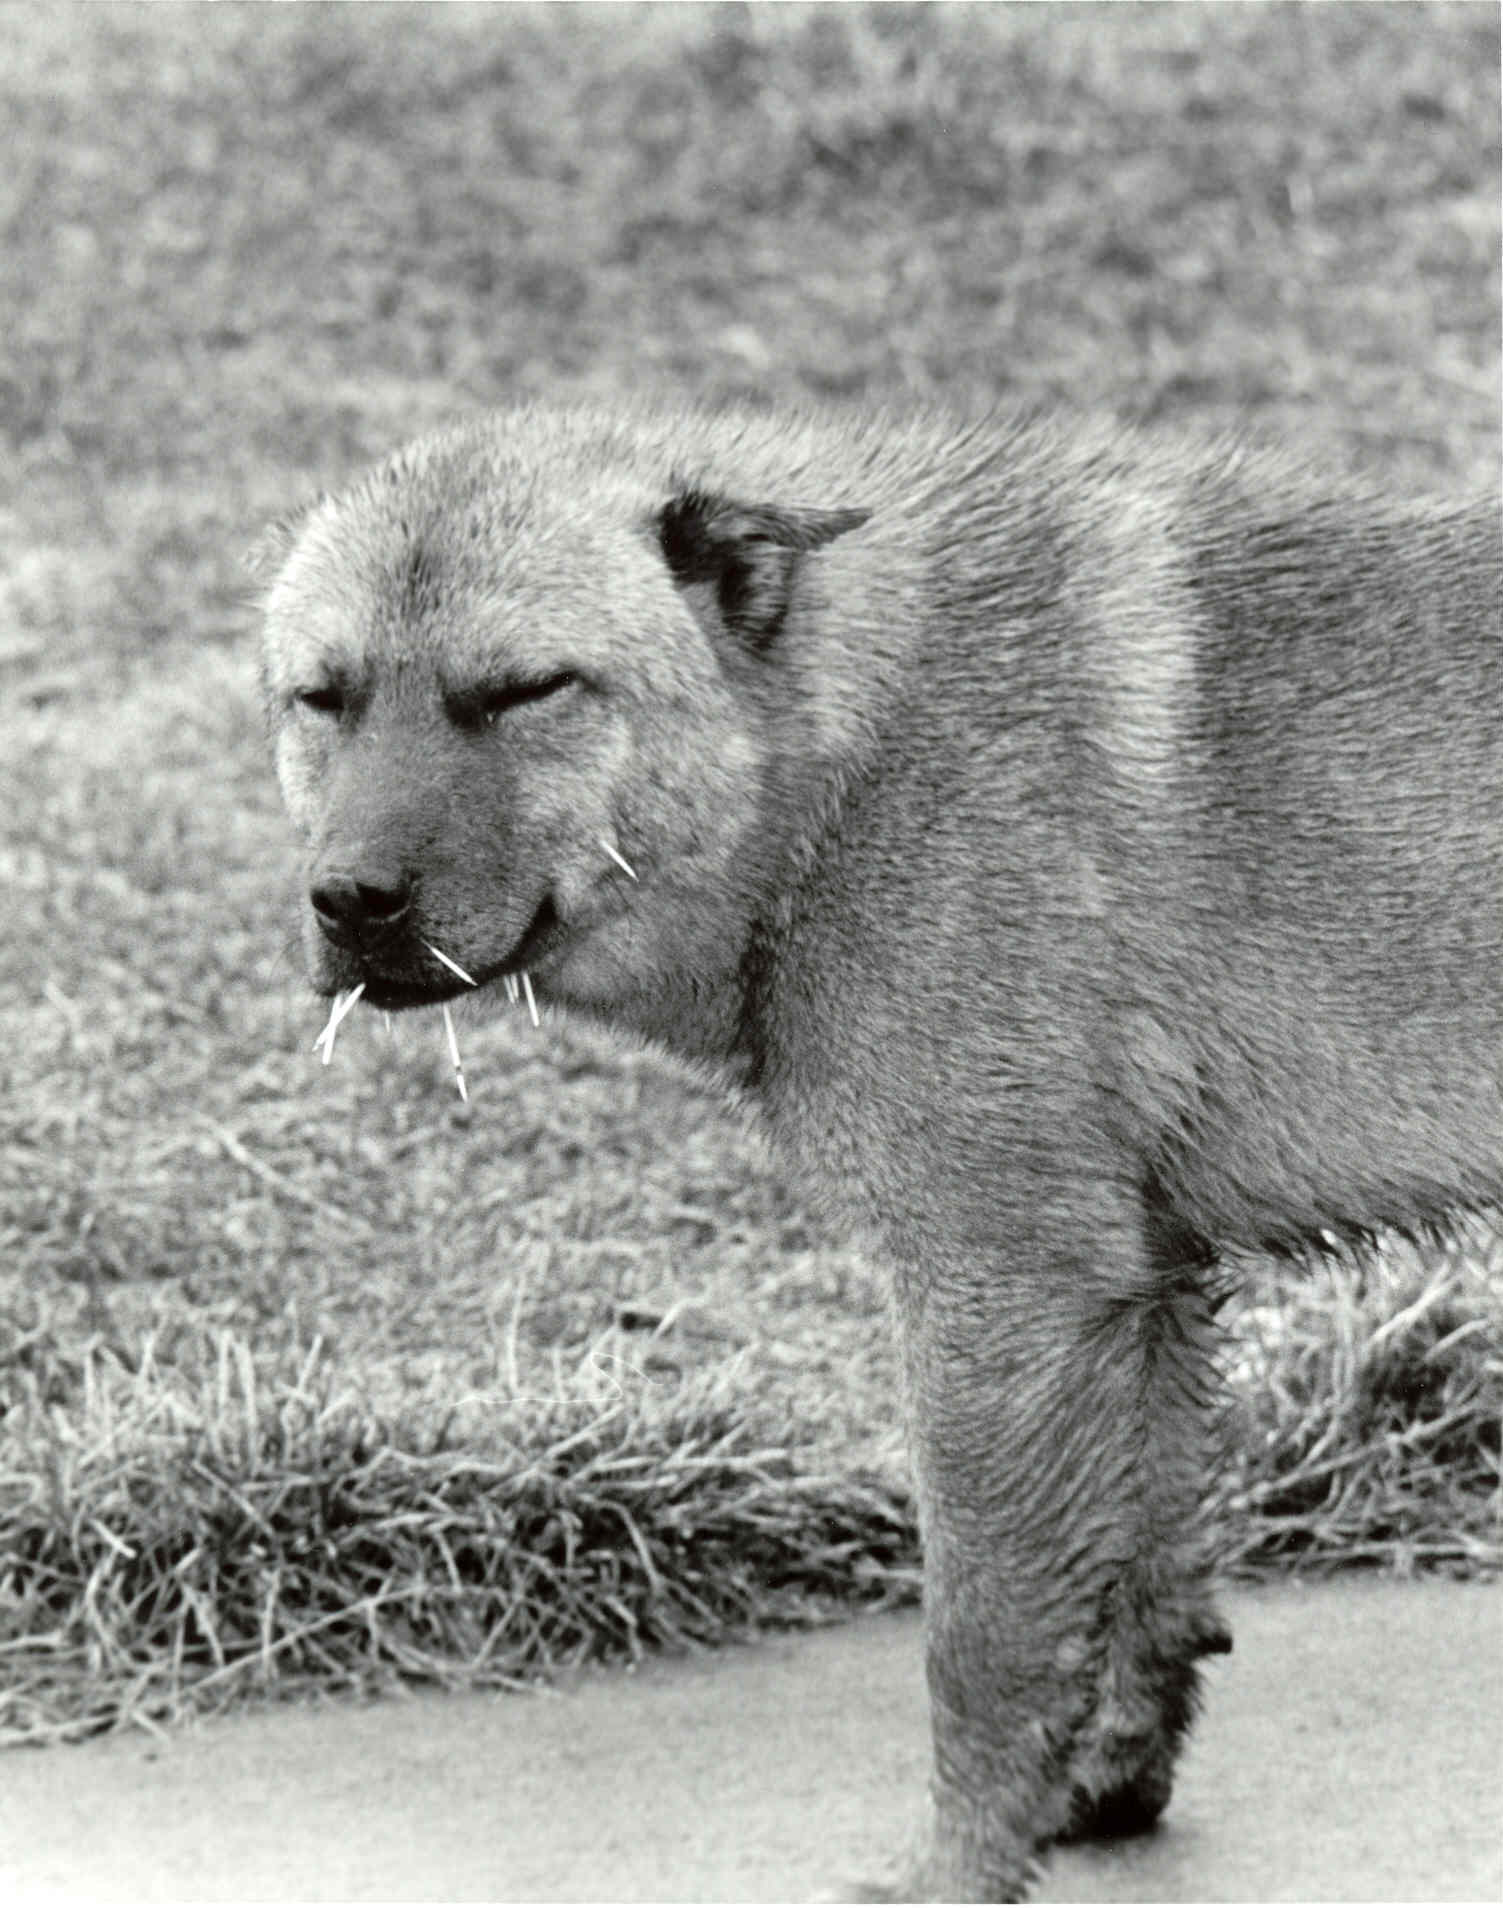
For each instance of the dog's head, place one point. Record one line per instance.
(522, 682)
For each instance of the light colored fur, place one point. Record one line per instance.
(1088, 852)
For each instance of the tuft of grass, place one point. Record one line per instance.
(1370, 1413)
(169, 1548)
(176, 1535)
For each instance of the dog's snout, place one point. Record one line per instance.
(355, 907)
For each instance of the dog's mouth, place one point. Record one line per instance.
(544, 932)
(430, 975)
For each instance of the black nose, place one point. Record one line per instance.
(356, 908)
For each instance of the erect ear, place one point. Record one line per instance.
(747, 553)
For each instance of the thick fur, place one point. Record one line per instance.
(1087, 850)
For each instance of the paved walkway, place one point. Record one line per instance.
(1351, 1749)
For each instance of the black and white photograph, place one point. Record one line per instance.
(751, 978)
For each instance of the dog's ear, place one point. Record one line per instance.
(748, 554)
(273, 546)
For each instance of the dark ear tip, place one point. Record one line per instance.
(683, 532)
(697, 529)
(748, 552)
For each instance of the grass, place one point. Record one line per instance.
(1367, 1406)
(246, 249)
(183, 1544)
(189, 1531)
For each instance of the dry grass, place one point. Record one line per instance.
(244, 250)
(189, 1533)
(172, 1546)
(1369, 1414)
